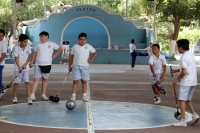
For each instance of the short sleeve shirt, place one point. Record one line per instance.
(157, 63)
(81, 54)
(3, 49)
(188, 62)
(45, 52)
(22, 57)
(132, 47)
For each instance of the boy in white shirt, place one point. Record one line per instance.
(188, 81)
(79, 65)
(157, 72)
(3, 51)
(149, 50)
(43, 54)
(22, 55)
(65, 53)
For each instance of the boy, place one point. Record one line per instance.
(157, 72)
(65, 53)
(3, 51)
(43, 54)
(80, 68)
(188, 81)
(134, 53)
(149, 50)
(22, 55)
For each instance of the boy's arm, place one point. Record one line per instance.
(3, 55)
(27, 61)
(93, 57)
(17, 63)
(70, 62)
(33, 59)
(59, 51)
(182, 74)
(164, 71)
(64, 51)
(175, 71)
(152, 70)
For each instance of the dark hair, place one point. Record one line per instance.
(132, 41)
(44, 33)
(2, 31)
(156, 45)
(151, 43)
(67, 42)
(63, 42)
(23, 37)
(184, 43)
(82, 34)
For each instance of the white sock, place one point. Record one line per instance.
(194, 113)
(43, 95)
(158, 98)
(15, 97)
(73, 94)
(84, 94)
(183, 120)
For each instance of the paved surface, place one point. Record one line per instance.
(127, 86)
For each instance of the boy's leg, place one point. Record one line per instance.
(84, 90)
(35, 85)
(182, 108)
(15, 87)
(133, 56)
(27, 85)
(142, 54)
(1, 73)
(85, 76)
(44, 85)
(76, 76)
(74, 88)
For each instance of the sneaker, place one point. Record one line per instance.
(33, 97)
(132, 68)
(30, 102)
(3, 92)
(85, 99)
(14, 100)
(44, 97)
(195, 119)
(65, 63)
(155, 97)
(158, 101)
(181, 123)
(73, 98)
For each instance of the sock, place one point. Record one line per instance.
(84, 94)
(73, 94)
(194, 113)
(15, 97)
(158, 97)
(183, 120)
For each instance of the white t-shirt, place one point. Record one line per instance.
(132, 47)
(187, 61)
(66, 48)
(44, 53)
(16, 43)
(3, 49)
(149, 50)
(157, 63)
(22, 57)
(81, 54)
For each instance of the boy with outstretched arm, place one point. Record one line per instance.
(79, 65)
(157, 72)
(188, 81)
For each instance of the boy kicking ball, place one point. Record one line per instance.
(188, 81)
(79, 65)
(157, 72)
(22, 58)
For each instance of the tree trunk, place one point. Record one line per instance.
(176, 23)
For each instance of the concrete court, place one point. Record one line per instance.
(122, 85)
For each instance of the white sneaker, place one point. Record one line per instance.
(155, 97)
(158, 101)
(3, 92)
(30, 102)
(33, 97)
(132, 68)
(65, 63)
(85, 99)
(73, 98)
(195, 119)
(181, 123)
(44, 97)
(15, 100)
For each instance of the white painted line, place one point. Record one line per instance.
(89, 112)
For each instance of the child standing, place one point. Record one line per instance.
(22, 55)
(65, 53)
(3, 51)
(157, 72)
(149, 50)
(79, 65)
(188, 81)
(43, 54)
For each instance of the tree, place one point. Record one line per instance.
(178, 12)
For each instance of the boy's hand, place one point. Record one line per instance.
(162, 78)
(154, 74)
(173, 71)
(177, 80)
(70, 69)
(31, 65)
(89, 60)
(24, 67)
(20, 70)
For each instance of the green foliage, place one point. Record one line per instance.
(189, 33)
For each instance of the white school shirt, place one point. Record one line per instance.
(132, 47)
(66, 48)
(187, 61)
(149, 50)
(16, 43)
(3, 49)
(22, 57)
(81, 54)
(157, 63)
(44, 53)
